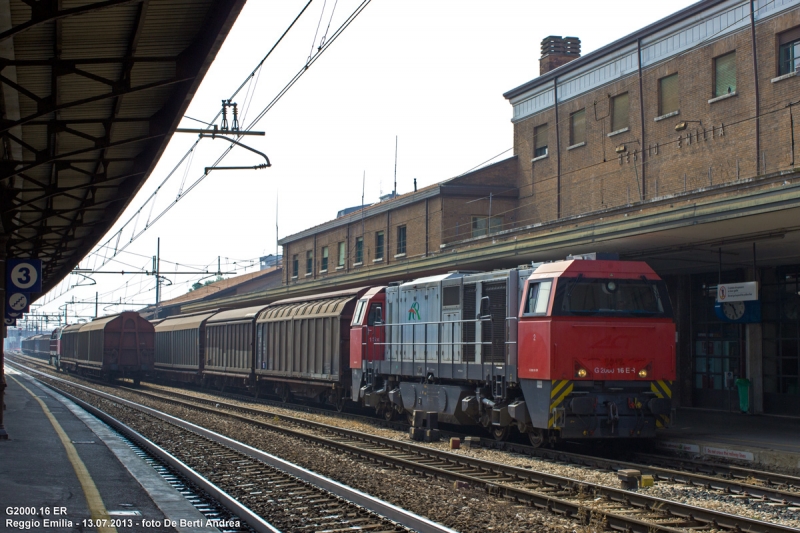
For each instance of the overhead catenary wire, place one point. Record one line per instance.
(117, 235)
(530, 185)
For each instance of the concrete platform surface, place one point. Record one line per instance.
(769, 441)
(47, 478)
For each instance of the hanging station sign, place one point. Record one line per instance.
(737, 292)
(738, 302)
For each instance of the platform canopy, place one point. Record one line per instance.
(90, 93)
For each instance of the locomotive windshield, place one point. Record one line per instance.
(612, 297)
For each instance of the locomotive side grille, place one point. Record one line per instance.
(496, 334)
(470, 310)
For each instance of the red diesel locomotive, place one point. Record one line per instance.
(571, 349)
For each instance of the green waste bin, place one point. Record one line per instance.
(744, 394)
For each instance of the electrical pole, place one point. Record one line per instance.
(96, 300)
(394, 191)
(156, 269)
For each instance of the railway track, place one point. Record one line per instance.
(252, 484)
(588, 503)
(741, 481)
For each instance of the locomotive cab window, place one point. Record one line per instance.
(612, 297)
(359, 314)
(538, 297)
(375, 315)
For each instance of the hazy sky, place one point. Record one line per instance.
(430, 72)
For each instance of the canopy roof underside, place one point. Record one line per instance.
(90, 93)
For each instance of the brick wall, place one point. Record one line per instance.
(721, 143)
(718, 145)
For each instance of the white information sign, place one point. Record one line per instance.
(678, 446)
(737, 292)
(24, 276)
(728, 453)
(17, 301)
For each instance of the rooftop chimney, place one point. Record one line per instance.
(557, 51)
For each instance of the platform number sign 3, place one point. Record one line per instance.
(24, 275)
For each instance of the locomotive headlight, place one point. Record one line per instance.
(643, 373)
(581, 372)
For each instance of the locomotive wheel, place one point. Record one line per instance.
(137, 381)
(388, 413)
(501, 433)
(536, 436)
(286, 394)
(340, 404)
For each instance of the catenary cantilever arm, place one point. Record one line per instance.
(237, 143)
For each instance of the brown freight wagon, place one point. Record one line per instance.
(230, 338)
(110, 347)
(180, 347)
(303, 347)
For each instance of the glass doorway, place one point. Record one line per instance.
(717, 348)
(781, 342)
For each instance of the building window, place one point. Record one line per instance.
(789, 52)
(324, 259)
(401, 240)
(378, 245)
(309, 262)
(619, 112)
(294, 266)
(577, 127)
(482, 226)
(725, 74)
(340, 258)
(668, 95)
(359, 250)
(540, 141)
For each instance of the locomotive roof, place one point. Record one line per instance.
(181, 322)
(595, 268)
(433, 279)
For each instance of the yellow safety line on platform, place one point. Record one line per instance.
(93, 498)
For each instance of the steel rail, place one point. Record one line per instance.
(491, 476)
(720, 469)
(194, 477)
(694, 473)
(687, 477)
(501, 472)
(370, 503)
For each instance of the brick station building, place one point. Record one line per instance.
(676, 145)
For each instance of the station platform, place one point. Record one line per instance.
(767, 441)
(61, 468)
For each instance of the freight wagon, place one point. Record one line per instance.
(110, 347)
